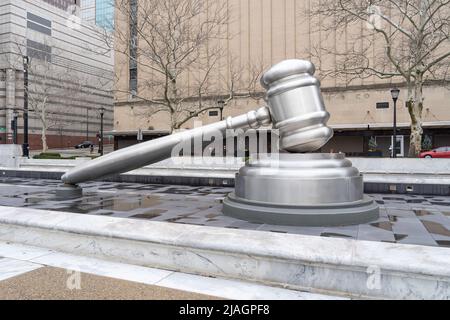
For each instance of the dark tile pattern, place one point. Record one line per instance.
(408, 219)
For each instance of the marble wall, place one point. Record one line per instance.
(358, 269)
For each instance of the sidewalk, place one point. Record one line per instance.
(47, 283)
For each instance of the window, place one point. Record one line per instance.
(383, 105)
(38, 46)
(39, 20)
(133, 83)
(104, 14)
(39, 28)
(62, 4)
(38, 50)
(39, 24)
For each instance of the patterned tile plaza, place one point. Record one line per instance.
(407, 219)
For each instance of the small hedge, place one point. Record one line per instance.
(47, 155)
(56, 156)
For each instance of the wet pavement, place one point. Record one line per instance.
(407, 219)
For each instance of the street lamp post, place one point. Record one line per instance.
(221, 106)
(87, 123)
(25, 145)
(100, 145)
(395, 94)
(14, 126)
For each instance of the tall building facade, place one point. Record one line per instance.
(70, 74)
(266, 32)
(98, 12)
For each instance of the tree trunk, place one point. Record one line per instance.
(44, 129)
(173, 122)
(44, 139)
(415, 108)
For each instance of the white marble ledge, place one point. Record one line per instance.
(419, 260)
(219, 287)
(406, 178)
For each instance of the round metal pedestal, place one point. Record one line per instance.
(301, 190)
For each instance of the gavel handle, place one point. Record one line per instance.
(153, 151)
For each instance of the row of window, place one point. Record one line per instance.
(385, 105)
(133, 71)
(39, 24)
(63, 4)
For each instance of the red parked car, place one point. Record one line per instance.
(443, 152)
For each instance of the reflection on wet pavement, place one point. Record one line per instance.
(436, 228)
(399, 237)
(334, 235)
(385, 225)
(407, 219)
(422, 213)
(443, 243)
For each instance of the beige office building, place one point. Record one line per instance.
(267, 32)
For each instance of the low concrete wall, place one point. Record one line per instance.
(334, 266)
(10, 155)
(417, 176)
(402, 166)
(432, 167)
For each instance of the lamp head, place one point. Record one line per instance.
(395, 93)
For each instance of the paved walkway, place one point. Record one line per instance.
(59, 284)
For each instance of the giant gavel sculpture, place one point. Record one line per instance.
(294, 189)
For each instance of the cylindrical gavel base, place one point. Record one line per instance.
(301, 190)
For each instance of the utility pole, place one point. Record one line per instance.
(14, 126)
(100, 146)
(25, 146)
(395, 94)
(87, 124)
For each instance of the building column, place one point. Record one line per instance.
(10, 102)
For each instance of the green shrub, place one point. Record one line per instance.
(47, 155)
(57, 156)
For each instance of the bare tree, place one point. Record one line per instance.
(176, 48)
(48, 83)
(405, 40)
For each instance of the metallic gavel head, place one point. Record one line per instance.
(296, 106)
